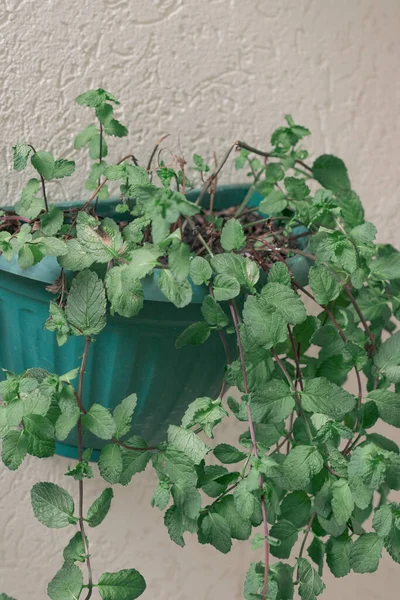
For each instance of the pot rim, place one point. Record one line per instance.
(48, 269)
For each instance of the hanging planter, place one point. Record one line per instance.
(186, 282)
(131, 355)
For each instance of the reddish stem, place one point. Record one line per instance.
(255, 450)
(80, 483)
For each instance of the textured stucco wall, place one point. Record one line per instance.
(208, 73)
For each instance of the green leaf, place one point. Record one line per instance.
(187, 498)
(70, 413)
(4, 426)
(228, 454)
(296, 508)
(274, 203)
(232, 236)
(134, 461)
(213, 313)
(178, 261)
(285, 301)
(123, 413)
(245, 501)
(331, 173)
(322, 396)
(254, 582)
(99, 421)
(392, 542)
(177, 524)
(63, 168)
(21, 154)
(80, 471)
(200, 270)
(225, 287)
(368, 462)
(14, 449)
(383, 520)
(49, 246)
(110, 463)
(52, 505)
(311, 584)
(178, 292)
(39, 432)
(114, 127)
(387, 358)
(366, 553)
(272, 402)
(175, 465)
(264, 323)
(342, 501)
(67, 583)
(296, 188)
(240, 528)
(286, 533)
(386, 267)
(338, 555)
(363, 234)
(104, 113)
(75, 550)
(127, 584)
(204, 412)
(84, 137)
(279, 273)
(316, 551)
(274, 172)
(323, 284)
(30, 205)
(388, 405)
(143, 262)
(196, 334)
(76, 258)
(43, 163)
(215, 530)
(94, 98)
(86, 304)
(100, 507)
(52, 221)
(161, 496)
(187, 442)
(300, 466)
(101, 240)
(124, 292)
(243, 269)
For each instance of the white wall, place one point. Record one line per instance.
(208, 73)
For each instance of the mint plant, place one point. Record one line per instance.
(307, 467)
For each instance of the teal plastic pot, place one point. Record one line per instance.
(130, 355)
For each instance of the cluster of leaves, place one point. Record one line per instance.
(307, 463)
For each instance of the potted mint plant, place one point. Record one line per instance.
(235, 264)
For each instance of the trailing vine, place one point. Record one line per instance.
(310, 470)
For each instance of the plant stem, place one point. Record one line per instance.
(152, 155)
(305, 165)
(215, 174)
(361, 316)
(296, 394)
(43, 184)
(199, 236)
(80, 483)
(100, 159)
(255, 450)
(307, 532)
(249, 194)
